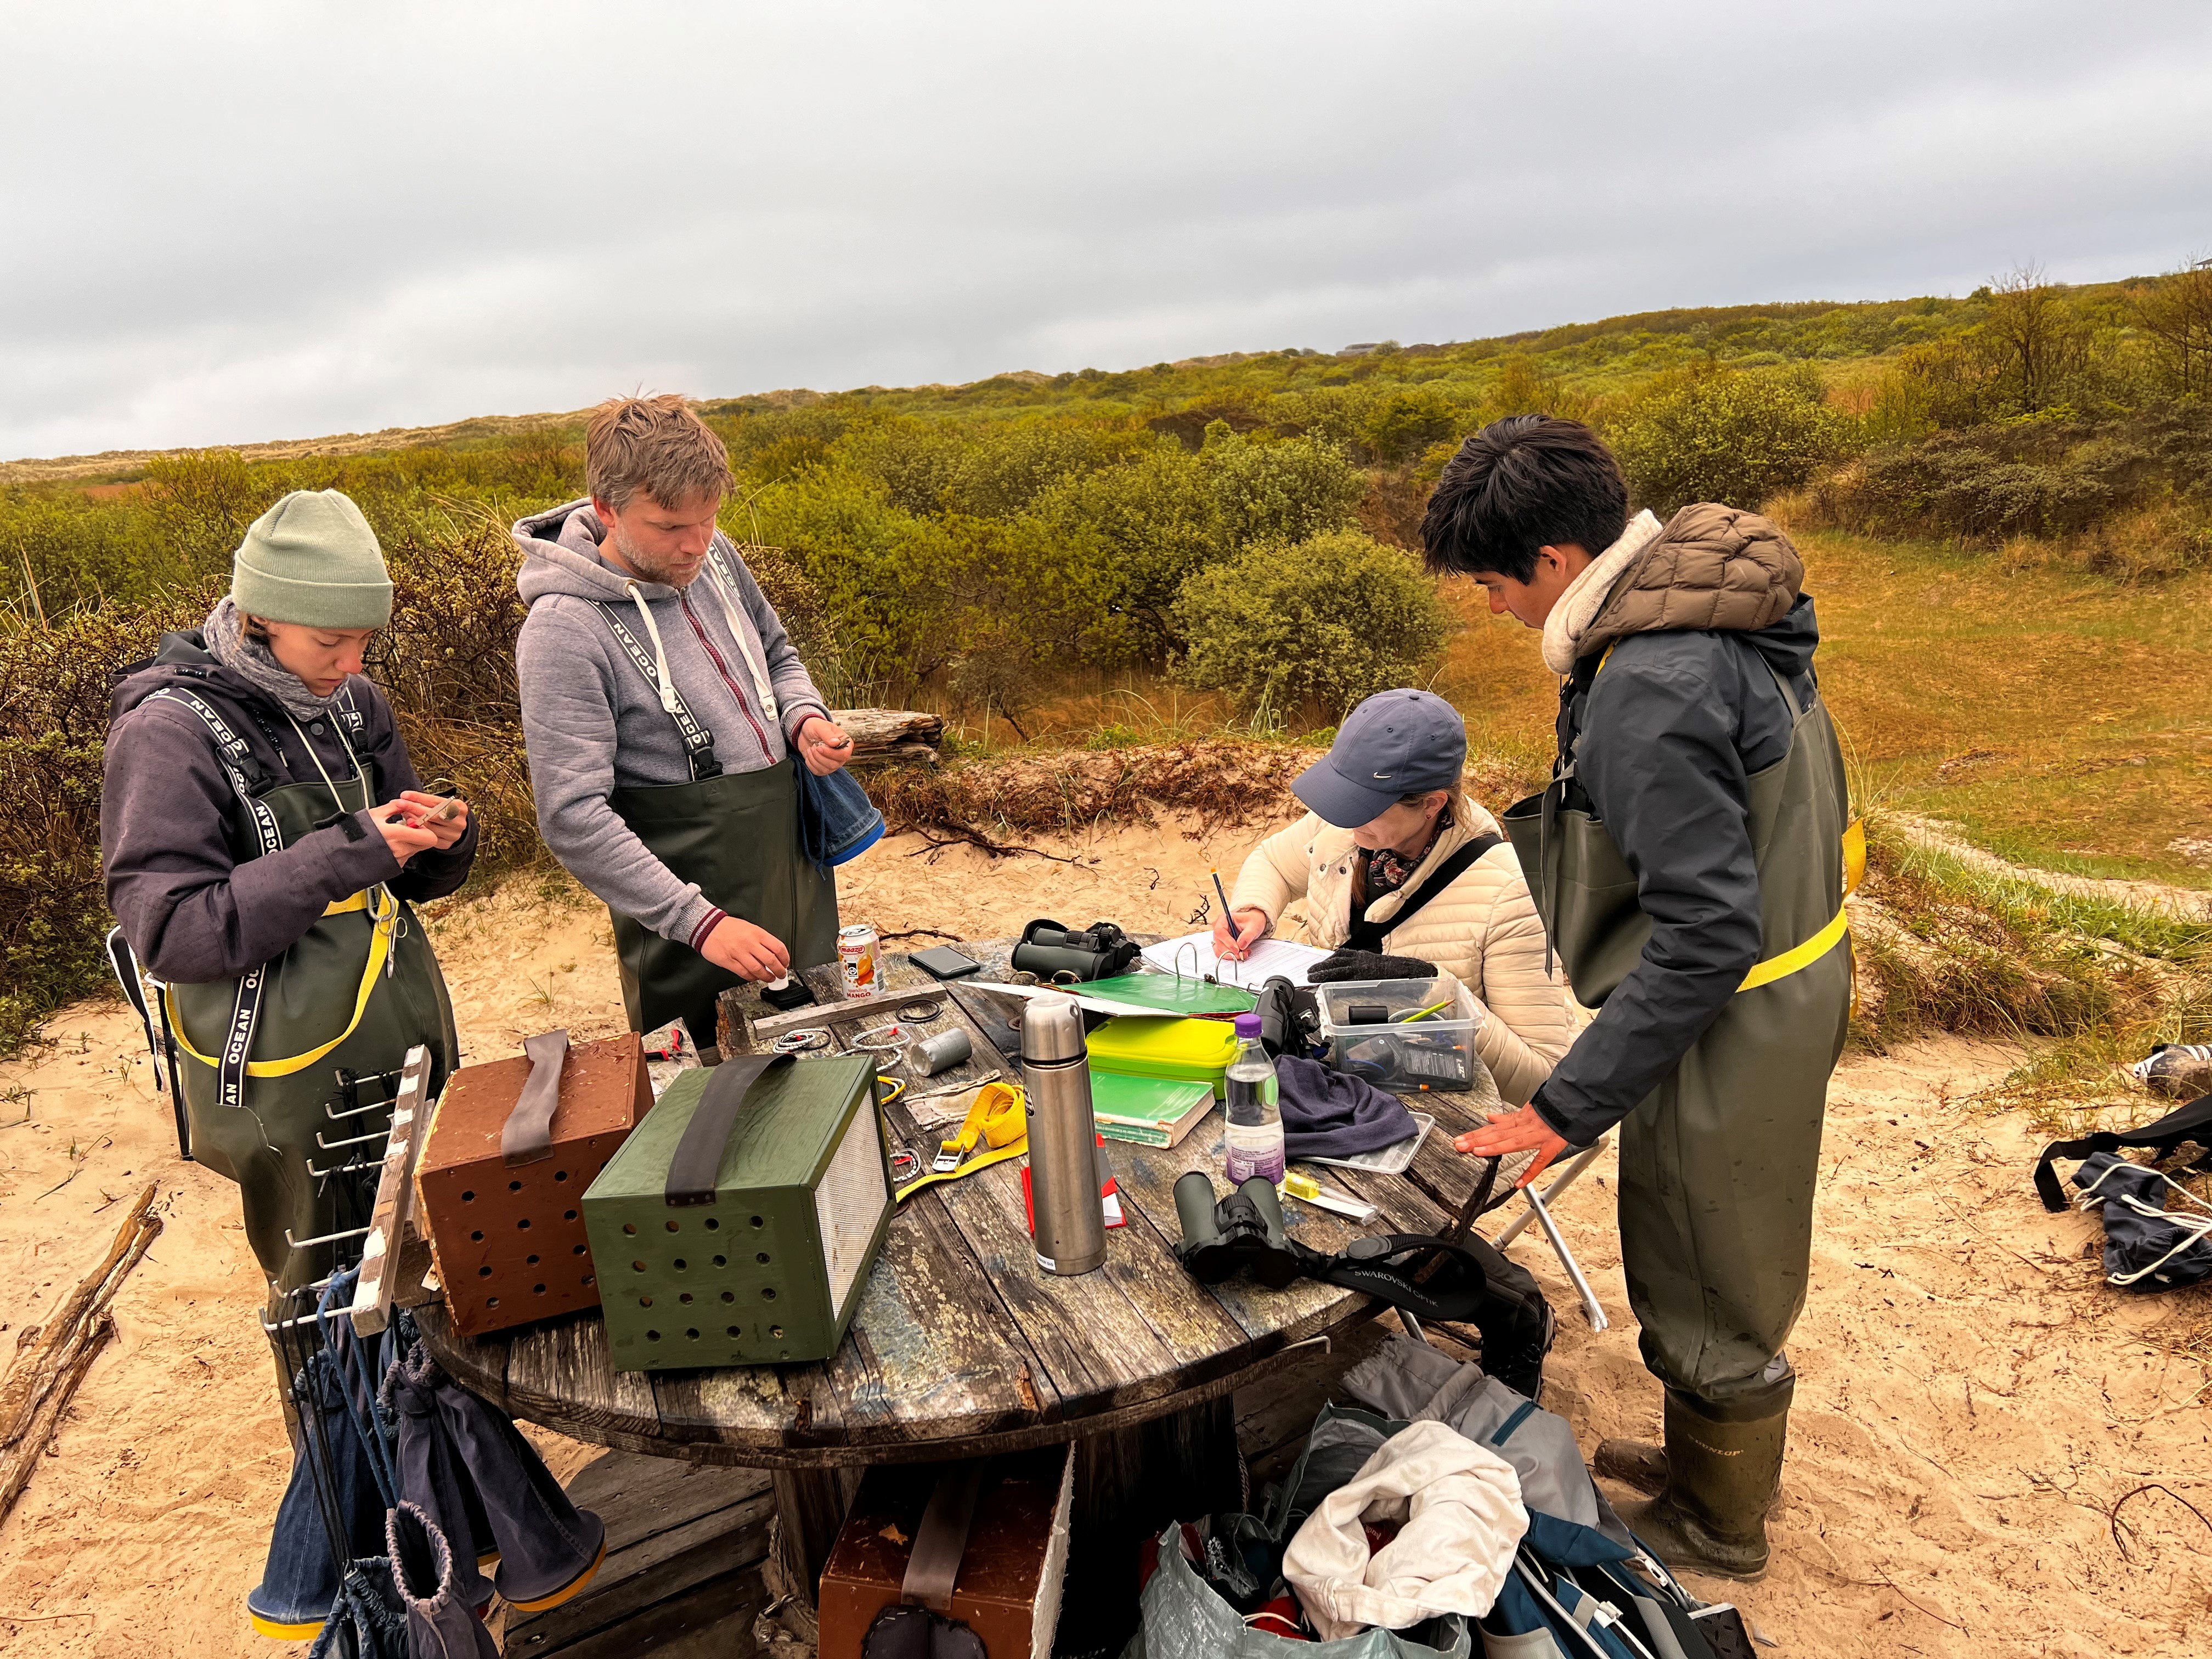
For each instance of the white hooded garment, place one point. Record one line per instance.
(1459, 1508)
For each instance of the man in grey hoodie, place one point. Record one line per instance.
(662, 703)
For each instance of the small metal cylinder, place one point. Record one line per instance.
(1070, 1230)
(941, 1052)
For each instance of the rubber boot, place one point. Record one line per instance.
(1721, 1480)
(1638, 1463)
(441, 1624)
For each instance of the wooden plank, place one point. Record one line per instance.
(641, 1575)
(1147, 1174)
(714, 1619)
(559, 1373)
(639, 1497)
(933, 1354)
(395, 1191)
(759, 1407)
(1274, 1416)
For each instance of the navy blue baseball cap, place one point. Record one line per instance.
(1397, 742)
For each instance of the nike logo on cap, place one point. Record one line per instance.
(1385, 776)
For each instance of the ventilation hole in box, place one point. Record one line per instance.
(671, 1227)
(476, 1238)
(560, 1175)
(721, 1261)
(757, 1222)
(712, 1225)
(580, 1248)
(587, 1278)
(630, 1227)
(637, 1266)
(693, 1333)
(514, 1185)
(776, 1331)
(538, 1290)
(567, 1215)
(483, 1273)
(736, 1330)
(761, 1258)
(491, 1302)
(530, 1262)
(681, 1264)
(729, 1296)
(767, 1293)
(523, 1223)
(653, 1336)
(645, 1301)
(468, 1198)
(684, 1298)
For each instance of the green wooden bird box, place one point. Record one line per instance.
(737, 1225)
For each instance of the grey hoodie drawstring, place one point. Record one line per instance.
(670, 702)
(761, 686)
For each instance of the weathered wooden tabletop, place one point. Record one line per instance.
(962, 1346)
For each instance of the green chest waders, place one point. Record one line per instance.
(267, 1059)
(1717, 1165)
(736, 835)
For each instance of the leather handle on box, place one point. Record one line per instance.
(527, 1134)
(941, 1539)
(698, 1159)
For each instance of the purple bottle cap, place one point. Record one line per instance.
(1247, 1025)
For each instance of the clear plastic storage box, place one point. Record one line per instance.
(1394, 1033)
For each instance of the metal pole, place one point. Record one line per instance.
(1591, 1310)
(1564, 1179)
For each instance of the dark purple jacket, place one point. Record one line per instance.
(195, 899)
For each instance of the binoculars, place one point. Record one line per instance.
(1058, 954)
(1242, 1230)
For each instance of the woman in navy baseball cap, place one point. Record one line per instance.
(1404, 875)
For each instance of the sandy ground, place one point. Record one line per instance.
(1974, 1402)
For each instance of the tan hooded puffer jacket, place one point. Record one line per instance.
(1483, 929)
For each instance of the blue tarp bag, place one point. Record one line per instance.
(837, 821)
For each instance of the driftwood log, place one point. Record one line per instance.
(891, 737)
(47, 1369)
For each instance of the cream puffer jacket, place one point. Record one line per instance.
(1483, 929)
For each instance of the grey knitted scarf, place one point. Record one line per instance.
(224, 632)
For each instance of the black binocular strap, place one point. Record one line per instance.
(698, 1157)
(1369, 935)
(698, 740)
(2190, 1123)
(232, 751)
(527, 1134)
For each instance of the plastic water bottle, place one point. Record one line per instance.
(1255, 1118)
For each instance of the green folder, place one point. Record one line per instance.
(1169, 995)
(1151, 1111)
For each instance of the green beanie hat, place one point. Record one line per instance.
(312, 559)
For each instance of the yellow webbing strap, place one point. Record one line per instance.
(1805, 955)
(965, 1169)
(379, 947)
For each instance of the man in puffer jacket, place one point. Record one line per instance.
(1367, 850)
(1688, 858)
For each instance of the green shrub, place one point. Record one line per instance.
(1313, 626)
(1718, 435)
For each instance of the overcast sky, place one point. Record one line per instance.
(225, 223)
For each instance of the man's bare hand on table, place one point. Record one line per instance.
(1517, 1131)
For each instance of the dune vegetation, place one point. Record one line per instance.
(2005, 502)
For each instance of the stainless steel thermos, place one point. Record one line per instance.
(1071, 1225)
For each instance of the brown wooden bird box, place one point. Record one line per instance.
(1013, 1555)
(508, 1240)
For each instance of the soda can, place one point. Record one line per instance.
(856, 958)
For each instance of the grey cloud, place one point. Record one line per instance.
(251, 221)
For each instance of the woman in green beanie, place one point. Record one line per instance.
(265, 835)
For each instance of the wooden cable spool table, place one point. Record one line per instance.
(963, 1347)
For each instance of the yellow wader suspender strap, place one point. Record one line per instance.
(380, 948)
(1804, 955)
